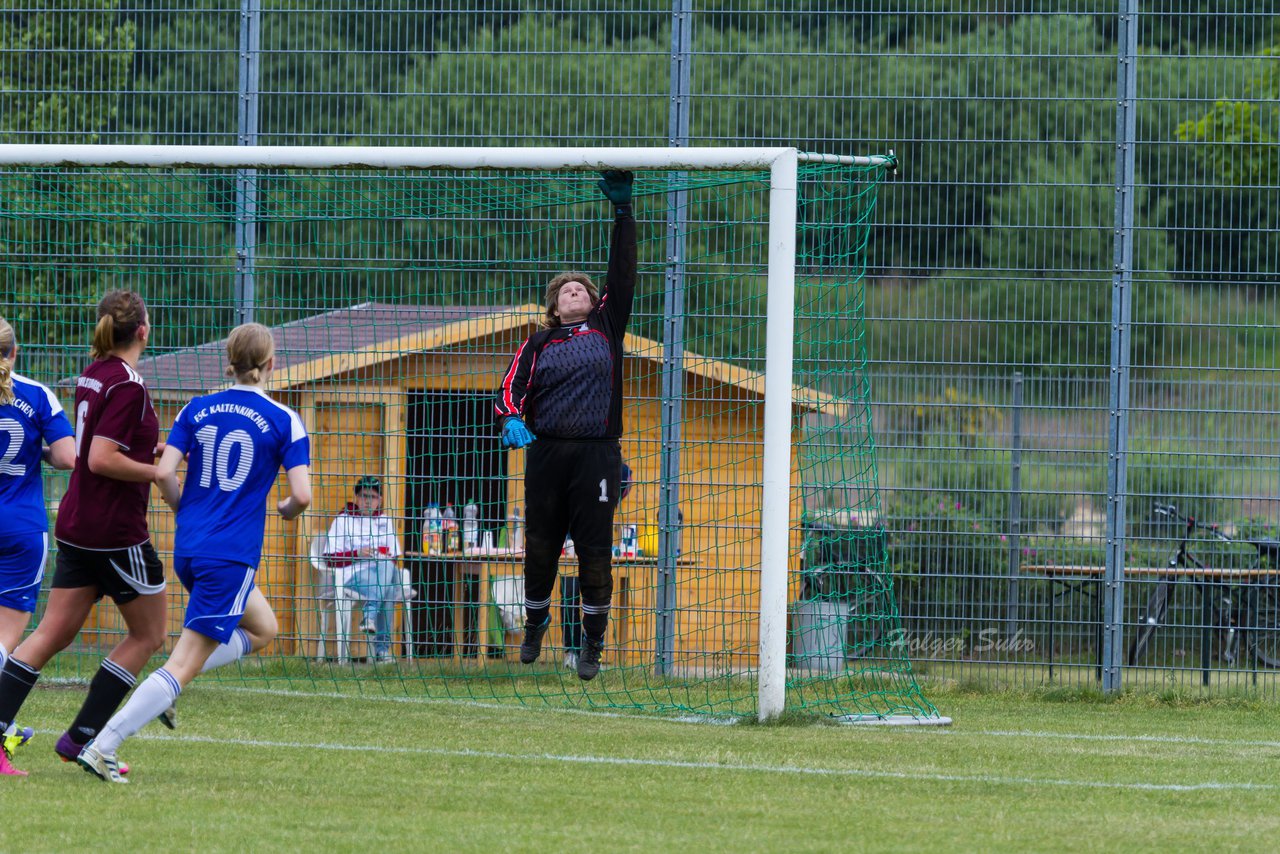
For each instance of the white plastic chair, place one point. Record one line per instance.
(404, 594)
(334, 599)
(508, 595)
(340, 600)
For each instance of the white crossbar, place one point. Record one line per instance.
(410, 157)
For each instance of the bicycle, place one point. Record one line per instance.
(1247, 607)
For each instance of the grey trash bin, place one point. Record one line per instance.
(820, 628)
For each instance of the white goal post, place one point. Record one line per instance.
(780, 162)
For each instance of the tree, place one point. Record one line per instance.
(1224, 226)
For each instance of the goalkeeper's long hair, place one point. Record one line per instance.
(550, 320)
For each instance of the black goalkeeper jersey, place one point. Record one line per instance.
(566, 382)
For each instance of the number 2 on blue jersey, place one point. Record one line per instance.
(16, 437)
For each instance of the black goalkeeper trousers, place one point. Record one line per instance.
(571, 487)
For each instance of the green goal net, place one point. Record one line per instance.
(397, 297)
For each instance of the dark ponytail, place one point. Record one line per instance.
(120, 315)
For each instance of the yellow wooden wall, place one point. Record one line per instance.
(279, 576)
(356, 421)
(354, 432)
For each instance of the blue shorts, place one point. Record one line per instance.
(22, 559)
(219, 590)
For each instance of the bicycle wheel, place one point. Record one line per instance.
(1152, 617)
(1264, 634)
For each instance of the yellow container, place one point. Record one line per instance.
(649, 541)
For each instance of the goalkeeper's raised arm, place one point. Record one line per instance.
(565, 381)
(562, 397)
(620, 281)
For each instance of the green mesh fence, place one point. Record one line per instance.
(397, 300)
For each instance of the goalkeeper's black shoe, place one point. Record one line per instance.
(589, 659)
(531, 646)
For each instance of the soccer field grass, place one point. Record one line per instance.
(254, 770)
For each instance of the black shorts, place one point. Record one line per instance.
(122, 574)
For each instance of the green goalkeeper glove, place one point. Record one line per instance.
(616, 185)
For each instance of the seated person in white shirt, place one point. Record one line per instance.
(362, 543)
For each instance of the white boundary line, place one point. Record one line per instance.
(705, 720)
(1145, 739)
(590, 759)
(860, 773)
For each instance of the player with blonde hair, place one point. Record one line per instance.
(235, 442)
(30, 419)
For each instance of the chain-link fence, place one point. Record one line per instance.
(1071, 292)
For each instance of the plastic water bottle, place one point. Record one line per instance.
(628, 541)
(432, 528)
(516, 523)
(470, 525)
(449, 522)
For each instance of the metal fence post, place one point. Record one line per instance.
(246, 192)
(672, 403)
(1121, 317)
(1015, 507)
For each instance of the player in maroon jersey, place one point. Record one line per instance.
(104, 547)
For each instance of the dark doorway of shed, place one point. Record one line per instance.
(454, 458)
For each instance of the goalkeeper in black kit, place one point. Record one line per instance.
(562, 397)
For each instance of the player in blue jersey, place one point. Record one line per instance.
(30, 419)
(235, 443)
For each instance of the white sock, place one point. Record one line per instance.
(149, 699)
(4, 655)
(228, 652)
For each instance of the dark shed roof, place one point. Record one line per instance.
(341, 331)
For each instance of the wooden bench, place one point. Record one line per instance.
(1079, 571)
(1073, 578)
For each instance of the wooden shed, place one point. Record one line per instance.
(406, 393)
